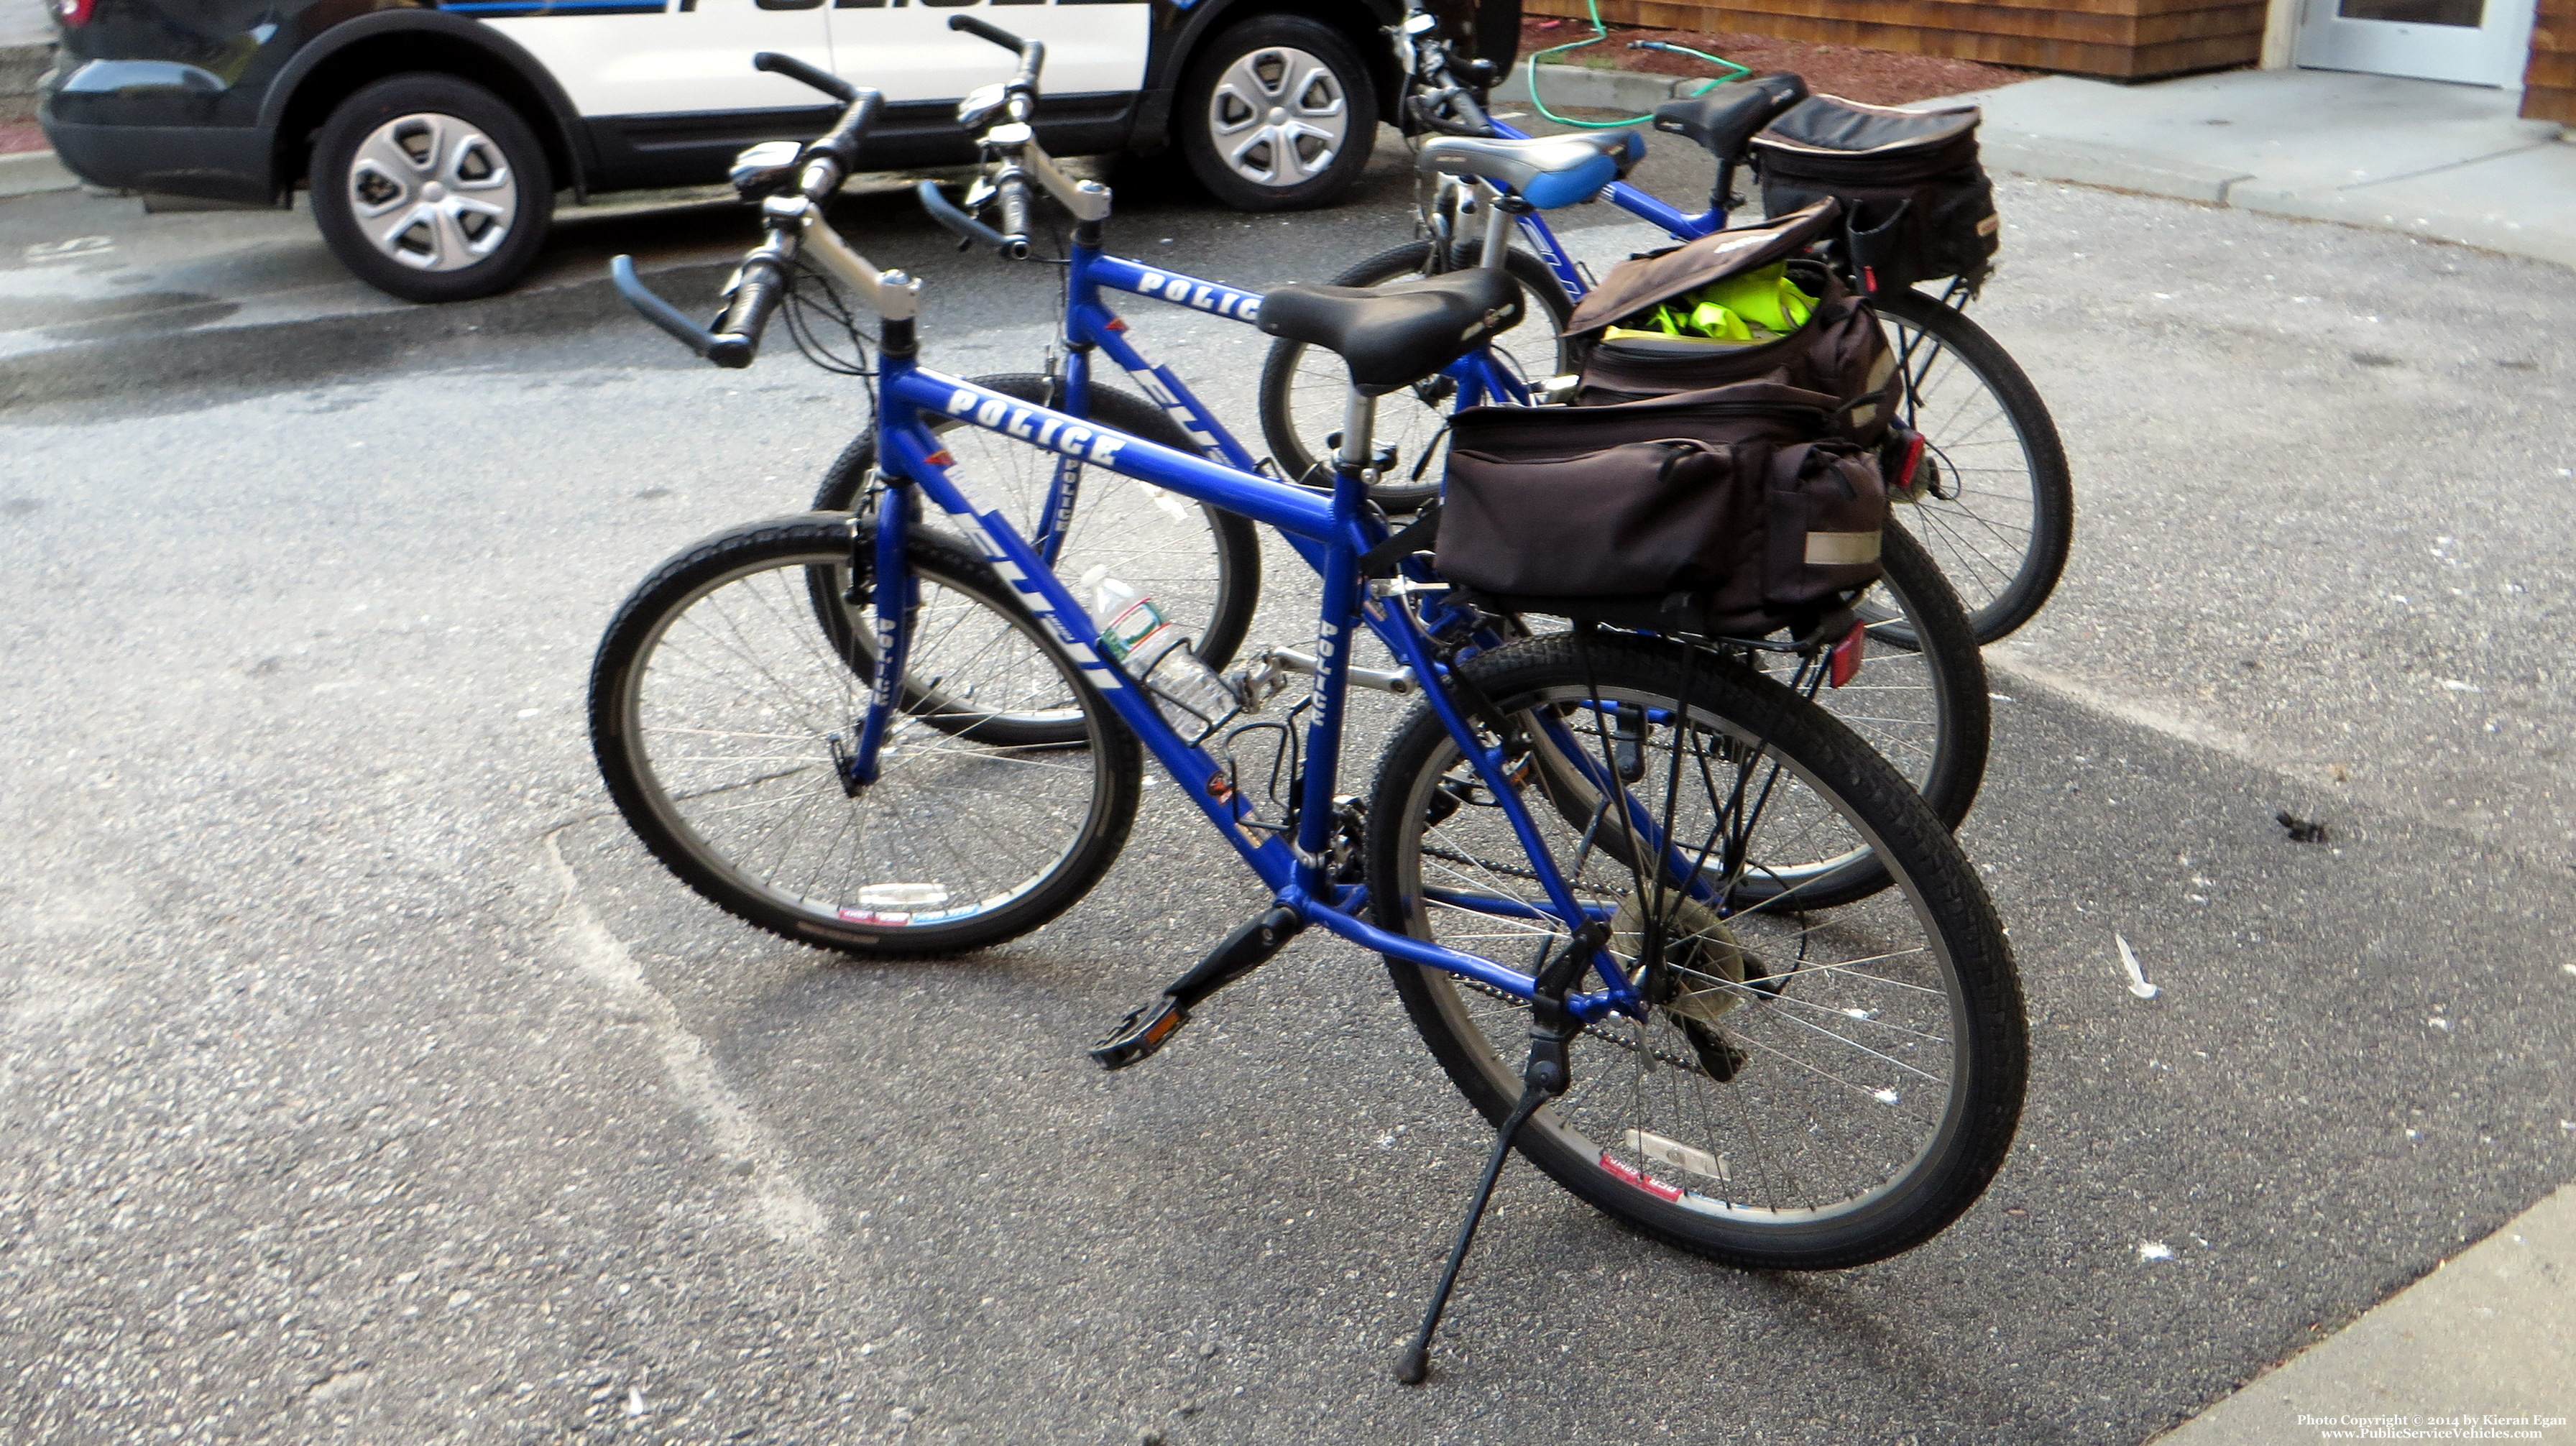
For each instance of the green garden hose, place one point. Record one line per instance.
(1601, 32)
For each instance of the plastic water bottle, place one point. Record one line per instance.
(1136, 635)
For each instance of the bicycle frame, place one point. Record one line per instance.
(1336, 530)
(1090, 325)
(1640, 204)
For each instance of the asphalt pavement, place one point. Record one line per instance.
(364, 1081)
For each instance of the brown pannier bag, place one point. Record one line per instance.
(1840, 351)
(1733, 511)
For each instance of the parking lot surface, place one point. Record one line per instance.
(366, 1082)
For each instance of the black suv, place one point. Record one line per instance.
(434, 136)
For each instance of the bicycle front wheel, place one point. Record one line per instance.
(1303, 387)
(2000, 511)
(721, 708)
(1806, 1091)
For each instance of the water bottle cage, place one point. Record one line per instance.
(1275, 809)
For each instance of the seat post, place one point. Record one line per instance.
(1359, 427)
(1497, 226)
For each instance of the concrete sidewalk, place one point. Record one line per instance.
(2486, 1343)
(2448, 162)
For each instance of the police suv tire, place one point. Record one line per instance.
(479, 153)
(1210, 155)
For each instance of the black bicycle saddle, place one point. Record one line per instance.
(1729, 115)
(1397, 333)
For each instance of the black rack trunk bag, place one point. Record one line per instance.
(1840, 351)
(1733, 512)
(1919, 206)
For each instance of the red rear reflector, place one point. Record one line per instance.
(940, 458)
(1844, 661)
(1913, 459)
(1869, 278)
(1115, 323)
(73, 12)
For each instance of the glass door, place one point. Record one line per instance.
(2479, 42)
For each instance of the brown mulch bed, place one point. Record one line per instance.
(1878, 77)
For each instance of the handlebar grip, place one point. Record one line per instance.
(794, 69)
(1032, 53)
(841, 142)
(663, 314)
(937, 204)
(763, 285)
(1431, 119)
(1015, 217)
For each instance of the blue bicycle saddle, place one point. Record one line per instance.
(1397, 333)
(1547, 171)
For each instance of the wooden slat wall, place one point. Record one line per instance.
(2123, 39)
(2549, 86)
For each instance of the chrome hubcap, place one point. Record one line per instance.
(432, 192)
(1279, 117)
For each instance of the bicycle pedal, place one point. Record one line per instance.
(1140, 1034)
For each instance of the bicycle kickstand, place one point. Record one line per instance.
(1543, 1079)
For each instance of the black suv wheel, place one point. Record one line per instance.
(1277, 114)
(431, 188)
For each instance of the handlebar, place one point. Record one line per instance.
(839, 145)
(755, 300)
(1426, 110)
(947, 214)
(763, 285)
(765, 279)
(1032, 53)
(794, 69)
(1014, 195)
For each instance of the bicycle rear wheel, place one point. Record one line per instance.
(720, 709)
(1805, 1092)
(1919, 701)
(2001, 510)
(1303, 387)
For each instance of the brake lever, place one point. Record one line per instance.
(663, 314)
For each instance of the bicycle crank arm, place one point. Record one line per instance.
(1249, 947)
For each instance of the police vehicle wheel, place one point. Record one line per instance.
(1277, 114)
(431, 188)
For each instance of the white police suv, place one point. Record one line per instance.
(434, 136)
